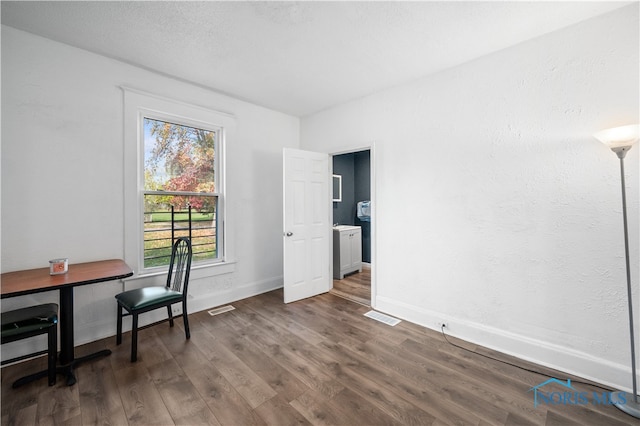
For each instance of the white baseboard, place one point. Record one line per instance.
(209, 301)
(550, 355)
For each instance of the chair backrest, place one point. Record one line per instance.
(180, 265)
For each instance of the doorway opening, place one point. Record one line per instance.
(353, 214)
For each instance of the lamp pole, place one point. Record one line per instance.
(634, 411)
(620, 140)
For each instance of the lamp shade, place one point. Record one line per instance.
(619, 137)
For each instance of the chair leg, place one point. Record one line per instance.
(119, 326)
(170, 315)
(186, 319)
(53, 354)
(134, 338)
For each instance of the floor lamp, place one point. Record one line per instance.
(620, 140)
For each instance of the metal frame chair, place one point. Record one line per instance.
(147, 299)
(29, 322)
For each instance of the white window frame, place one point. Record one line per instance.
(137, 106)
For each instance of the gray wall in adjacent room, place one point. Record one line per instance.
(356, 186)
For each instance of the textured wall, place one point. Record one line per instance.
(497, 210)
(62, 174)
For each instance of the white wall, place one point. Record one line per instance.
(496, 209)
(62, 175)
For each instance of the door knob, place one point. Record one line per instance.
(288, 234)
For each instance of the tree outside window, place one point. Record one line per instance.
(180, 193)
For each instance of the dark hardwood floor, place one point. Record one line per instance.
(317, 361)
(355, 287)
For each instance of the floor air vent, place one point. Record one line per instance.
(220, 310)
(382, 318)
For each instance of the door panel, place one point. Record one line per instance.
(307, 226)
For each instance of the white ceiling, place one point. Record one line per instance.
(296, 57)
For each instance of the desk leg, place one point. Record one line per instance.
(66, 325)
(67, 358)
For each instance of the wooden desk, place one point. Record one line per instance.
(31, 281)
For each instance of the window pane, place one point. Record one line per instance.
(178, 157)
(167, 217)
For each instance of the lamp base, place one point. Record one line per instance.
(624, 401)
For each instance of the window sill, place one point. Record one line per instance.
(199, 271)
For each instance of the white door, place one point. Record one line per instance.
(307, 226)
